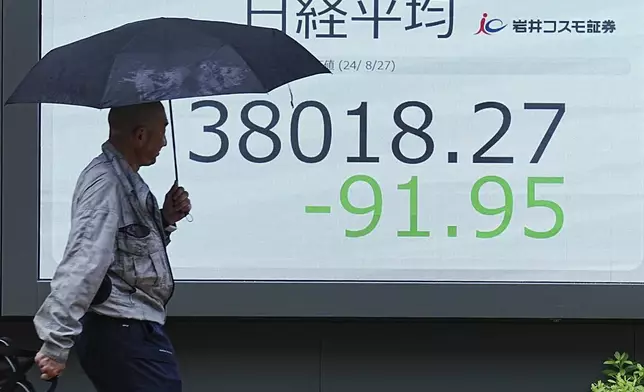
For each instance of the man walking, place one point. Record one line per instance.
(110, 290)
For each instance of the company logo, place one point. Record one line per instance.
(489, 27)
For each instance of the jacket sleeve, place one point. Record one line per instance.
(87, 257)
(168, 229)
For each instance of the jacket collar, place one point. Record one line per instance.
(130, 179)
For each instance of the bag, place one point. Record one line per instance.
(14, 365)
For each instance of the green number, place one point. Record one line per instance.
(375, 208)
(534, 202)
(506, 209)
(412, 187)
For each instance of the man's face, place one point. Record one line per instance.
(150, 138)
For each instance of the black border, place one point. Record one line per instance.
(20, 161)
(22, 292)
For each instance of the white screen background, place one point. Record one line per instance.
(249, 221)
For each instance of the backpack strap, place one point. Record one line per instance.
(24, 386)
(9, 351)
(20, 375)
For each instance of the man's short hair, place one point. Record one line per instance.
(127, 118)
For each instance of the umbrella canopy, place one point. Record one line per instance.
(165, 59)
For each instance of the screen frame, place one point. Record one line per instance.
(22, 292)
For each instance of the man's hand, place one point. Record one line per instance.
(176, 205)
(49, 368)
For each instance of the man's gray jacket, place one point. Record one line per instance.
(117, 242)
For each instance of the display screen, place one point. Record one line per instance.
(455, 140)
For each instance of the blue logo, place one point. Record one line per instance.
(489, 27)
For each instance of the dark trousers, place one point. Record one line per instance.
(120, 355)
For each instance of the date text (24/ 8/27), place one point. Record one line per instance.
(367, 65)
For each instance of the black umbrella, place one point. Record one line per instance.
(165, 59)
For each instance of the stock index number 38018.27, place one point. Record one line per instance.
(422, 132)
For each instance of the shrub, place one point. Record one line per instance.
(624, 375)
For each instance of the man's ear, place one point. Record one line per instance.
(139, 134)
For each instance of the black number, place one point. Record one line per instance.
(361, 112)
(266, 131)
(223, 116)
(295, 131)
(561, 109)
(406, 128)
(507, 118)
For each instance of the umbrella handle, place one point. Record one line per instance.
(174, 151)
(174, 143)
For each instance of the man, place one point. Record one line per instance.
(109, 292)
